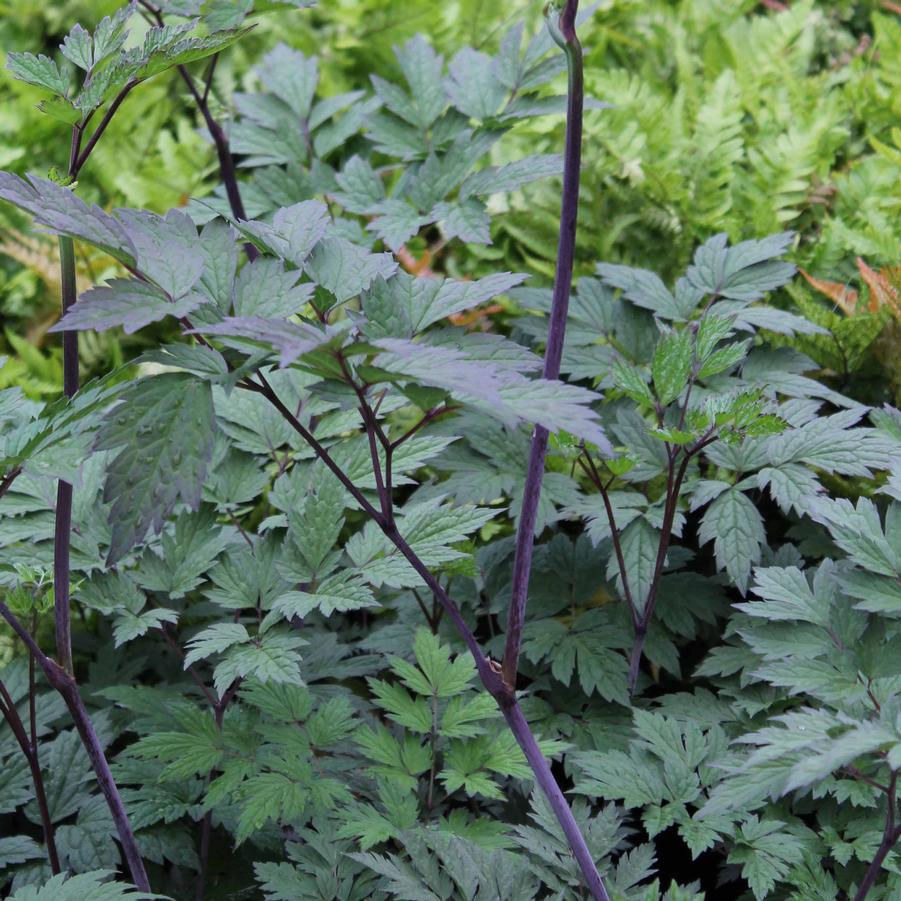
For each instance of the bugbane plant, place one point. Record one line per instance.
(349, 575)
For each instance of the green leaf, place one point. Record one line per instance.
(197, 751)
(129, 303)
(40, 71)
(271, 657)
(289, 340)
(361, 187)
(78, 48)
(429, 300)
(110, 34)
(214, 640)
(396, 222)
(497, 179)
(473, 86)
(744, 272)
(187, 553)
(633, 382)
(469, 221)
(264, 288)
(62, 211)
(500, 391)
(640, 542)
(291, 76)
(671, 366)
(723, 359)
(293, 233)
(171, 415)
(409, 712)
(766, 853)
(735, 526)
(345, 269)
(93, 885)
(169, 49)
(857, 530)
(336, 593)
(643, 288)
(437, 675)
(787, 596)
(17, 849)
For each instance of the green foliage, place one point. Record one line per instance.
(720, 515)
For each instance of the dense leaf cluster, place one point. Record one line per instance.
(284, 508)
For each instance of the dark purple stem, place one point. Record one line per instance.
(890, 837)
(674, 481)
(7, 481)
(82, 158)
(30, 750)
(223, 152)
(545, 778)
(489, 670)
(572, 156)
(220, 139)
(67, 687)
(206, 826)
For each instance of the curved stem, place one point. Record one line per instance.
(564, 31)
(489, 670)
(67, 687)
(890, 837)
(30, 749)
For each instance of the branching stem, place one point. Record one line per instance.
(891, 834)
(489, 671)
(29, 748)
(67, 687)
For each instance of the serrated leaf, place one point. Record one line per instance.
(289, 340)
(291, 76)
(40, 71)
(735, 526)
(94, 885)
(345, 269)
(214, 640)
(78, 48)
(396, 222)
(469, 221)
(294, 231)
(671, 366)
(497, 179)
(171, 415)
(643, 288)
(62, 211)
(128, 303)
(744, 272)
(640, 542)
(339, 593)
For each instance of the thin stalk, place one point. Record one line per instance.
(591, 471)
(545, 778)
(206, 825)
(890, 837)
(63, 526)
(564, 32)
(7, 480)
(433, 750)
(220, 140)
(30, 750)
(82, 157)
(489, 670)
(674, 486)
(223, 154)
(67, 687)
